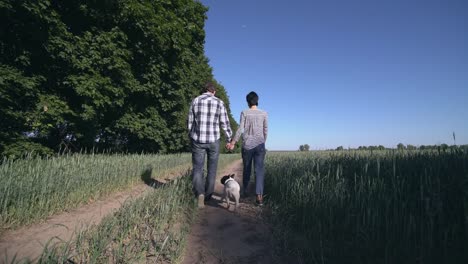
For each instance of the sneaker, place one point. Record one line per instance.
(201, 201)
(208, 197)
(259, 200)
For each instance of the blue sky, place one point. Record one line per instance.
(345, 73)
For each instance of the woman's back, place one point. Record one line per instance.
(255, 129)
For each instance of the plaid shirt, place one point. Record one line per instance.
(206, 113)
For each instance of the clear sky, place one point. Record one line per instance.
(345, 73)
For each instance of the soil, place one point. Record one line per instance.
(219, 235)
(28, 242)
(224, 236)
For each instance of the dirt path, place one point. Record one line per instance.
(28, 242)
(218, 236)
(222, 236)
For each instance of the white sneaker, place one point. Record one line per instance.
(201, 201)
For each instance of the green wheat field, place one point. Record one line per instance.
(392, 206)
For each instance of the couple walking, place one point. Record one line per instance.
(207, 113)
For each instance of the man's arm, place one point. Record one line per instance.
(190, 118)
(265, 126)
(225, 125)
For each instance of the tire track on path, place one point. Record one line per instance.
(28, 242)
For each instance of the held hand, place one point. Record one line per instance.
(228, 146)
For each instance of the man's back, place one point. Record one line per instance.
(206, 114)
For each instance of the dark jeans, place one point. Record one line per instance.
(257, 155)
(198, 160)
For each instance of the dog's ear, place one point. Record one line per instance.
(232, 175)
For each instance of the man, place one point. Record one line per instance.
(206, 114)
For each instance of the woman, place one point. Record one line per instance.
(254, 129)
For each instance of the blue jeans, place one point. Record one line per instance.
(257, 155)
(198, 160)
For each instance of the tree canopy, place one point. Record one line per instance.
(304, 147)
(116, 75)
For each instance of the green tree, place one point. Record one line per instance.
(410, 147)
(401, 146)
(339, 148)
(116, 75)
(18, 99)
(304, 147)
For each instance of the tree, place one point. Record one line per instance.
(339, 148)
(400, 146)
(304, 147)
(18, 99)
(116, 75)
(410, 147)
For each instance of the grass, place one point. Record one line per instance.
(370, 207)
(33, 189)
(152, 228)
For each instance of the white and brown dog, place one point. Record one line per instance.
(231, 190)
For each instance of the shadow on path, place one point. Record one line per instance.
(148, 180)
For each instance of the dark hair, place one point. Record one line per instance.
(210, 87)
(252, 99)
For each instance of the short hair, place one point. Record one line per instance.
(210, 87)
(252, 99)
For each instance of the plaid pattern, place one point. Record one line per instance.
(206, 114)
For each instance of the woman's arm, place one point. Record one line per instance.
(239, 131)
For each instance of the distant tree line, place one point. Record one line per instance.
(401, 146)
(116, 75)
(433, 147)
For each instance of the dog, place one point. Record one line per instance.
(231, 190)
